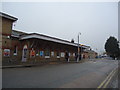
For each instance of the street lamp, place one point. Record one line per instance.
(78, 47)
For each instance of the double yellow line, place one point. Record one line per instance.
(107, 80)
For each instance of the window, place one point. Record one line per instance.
(15, 50)
(58, 55)
(37, 53)
(47, 54)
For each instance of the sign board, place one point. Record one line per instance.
(62, 54)
(41, 53)
(6, 52)
(52, 53)
(32, 53)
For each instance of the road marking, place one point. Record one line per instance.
(107, 80)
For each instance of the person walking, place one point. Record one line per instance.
(67, 56)
(76, 56)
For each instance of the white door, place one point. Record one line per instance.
(24, 53)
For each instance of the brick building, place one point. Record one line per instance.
(6, 22)
(20, 47)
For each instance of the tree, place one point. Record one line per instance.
(112, 47)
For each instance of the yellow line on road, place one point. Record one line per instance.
(109, 79)
(100, 86)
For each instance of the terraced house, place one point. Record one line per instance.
(21, 48)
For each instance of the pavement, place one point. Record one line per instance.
(33, 65)
(89, 74)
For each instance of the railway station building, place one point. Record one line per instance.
(20, 47)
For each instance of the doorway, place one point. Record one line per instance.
(24, 53)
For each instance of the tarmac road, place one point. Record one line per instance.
(89, 74)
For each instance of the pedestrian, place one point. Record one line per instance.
(76, 56)
(67, 56)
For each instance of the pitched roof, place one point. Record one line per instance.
(24, 36)
(48, 38)
(8, 16)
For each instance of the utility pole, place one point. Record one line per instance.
(78, 48)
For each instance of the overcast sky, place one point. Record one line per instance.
(96, 21)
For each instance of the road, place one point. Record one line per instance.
(89, 74)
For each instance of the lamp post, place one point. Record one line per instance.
(81, 51)
(78, 47)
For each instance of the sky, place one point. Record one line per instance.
(96, 21)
